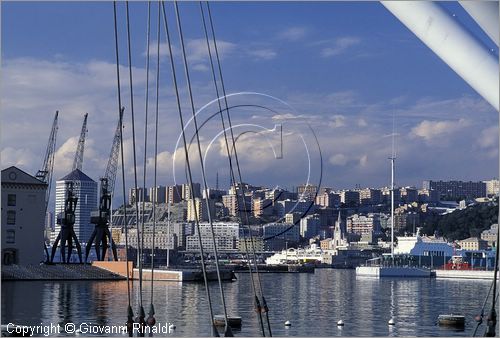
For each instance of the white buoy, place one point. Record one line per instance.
(340, 323)
(287, 323)
(391, 321)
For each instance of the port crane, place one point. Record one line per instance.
(101, 218)
(67, 233)
(45, 174)
(67, 219)
(78, 160)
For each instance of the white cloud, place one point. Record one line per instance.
(362, 122)
(337, 121)
(293, 33)
(489, 138)
(363, 161)
(339, 46)
(263, 54)
(429, 130)
(338, 160)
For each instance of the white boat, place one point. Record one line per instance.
(313, 254)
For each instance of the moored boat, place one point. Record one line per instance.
(451, 320)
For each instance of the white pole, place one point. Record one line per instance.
(392, 208)
(168, 235)
(453, 43)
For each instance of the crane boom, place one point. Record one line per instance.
(112, 166)
(45, 174)
(78, 161)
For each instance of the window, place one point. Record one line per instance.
(10, 236)
(11, 217)
(11, 200)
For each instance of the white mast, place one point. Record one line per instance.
(392, 158)
(168, 234)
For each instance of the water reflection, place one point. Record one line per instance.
(312, 302)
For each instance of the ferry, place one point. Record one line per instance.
(313, 254)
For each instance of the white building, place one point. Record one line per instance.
(197, 210)
(85, 189)
(492, 187)
(226, 237)
(23, 214)
(309, 226)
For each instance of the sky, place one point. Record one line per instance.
(333, 81)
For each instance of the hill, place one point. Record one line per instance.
(461, 224)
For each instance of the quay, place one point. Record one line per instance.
(57, 272)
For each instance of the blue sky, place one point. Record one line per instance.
(344, 67)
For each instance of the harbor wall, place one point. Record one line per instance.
(120, 267)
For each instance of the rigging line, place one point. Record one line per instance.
(141, 309)
(129, 307)
(481, 315)
(227, 329)
(158, 37)
(241, 181)
(228, 153)
(148, 38)
(492, 321)
(188, 165)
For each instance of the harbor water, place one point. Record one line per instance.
(312, 302)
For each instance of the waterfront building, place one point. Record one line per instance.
(307, 192)
(492, 187)
(370, 196)
(473, 244)
(386, 195)
(197, 209)
(279, 235)
(214, 194)
(309, 226)
(293, 217)
(186, 191)
(235, 203)
(363, 224)
(137, 195)
(162, 238)
(408, 194)
(85, 189)
(174, 194)
(328, 199)
(226, 237)
(257, 242)
(23, 213)
(490, 235)
(158, 194)
(454, 190)
(288, 206)
(280, 195)
(262, 207)
(428, 196)
(349, 197)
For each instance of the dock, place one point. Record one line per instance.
(464, 274)
(57, 272)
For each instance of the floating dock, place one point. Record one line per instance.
(184, 274)
(465, 274)
(392, 271)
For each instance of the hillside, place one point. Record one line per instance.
(462, 224)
